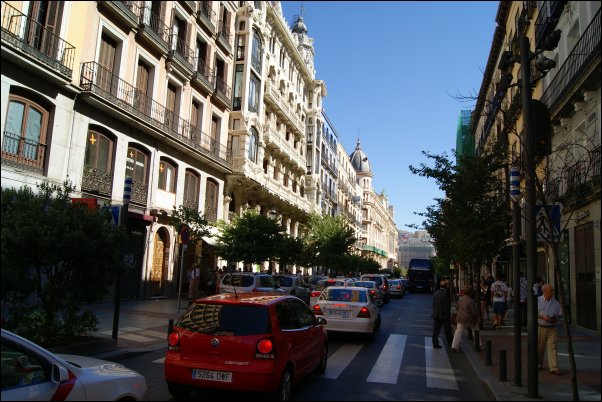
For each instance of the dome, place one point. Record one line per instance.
(359, 160)
(299, 26)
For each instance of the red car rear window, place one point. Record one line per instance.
(239, 320)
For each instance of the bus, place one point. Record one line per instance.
(421, 275)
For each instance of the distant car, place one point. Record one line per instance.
(312, 280)
(248, 282)
(32, 373)
(294, 286)
(245, 342)
(396, 288)
(320, 286)
(375, 292)
(348, 309)
(382, 282)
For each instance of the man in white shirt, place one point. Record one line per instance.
(548, 312)
(499, 295)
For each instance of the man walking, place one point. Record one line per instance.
(499, 295)
(548, 312)
(441, 314)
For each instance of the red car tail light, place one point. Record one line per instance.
(364, 313)
(373, 292)
(317, 310)
(265, 349)
(315, 293)
(174, 341)
(398, 286)
(254, 290)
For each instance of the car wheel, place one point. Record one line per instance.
(283, 393)
(323, 360)
(179, 391)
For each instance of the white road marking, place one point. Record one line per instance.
(341, 359)
(439, 373)
(386, 368)
(161, 360)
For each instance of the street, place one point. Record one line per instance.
(398, 365)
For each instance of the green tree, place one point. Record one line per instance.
(328, 240)
(250, 238)
(191, 218)
(290, 251)
(53, 250)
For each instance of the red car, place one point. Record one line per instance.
(245, 342)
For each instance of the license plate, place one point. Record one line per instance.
(221, 376)
(340, 313)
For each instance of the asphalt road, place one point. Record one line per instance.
(398, 364)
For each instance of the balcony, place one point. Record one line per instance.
(204, 77)
(223, 92)
(122, 11)
(276, 141)
(181, 56)
(585, 52)
(36, 41)
(123, 97)
(189, 5)
(210, 213)
(191, 204)
(139, 193)
(207, 17)
(97, 181)
(223, 37)
(23, 153)
(547, 20)
(153, 30)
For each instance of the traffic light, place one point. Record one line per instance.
(542, 128)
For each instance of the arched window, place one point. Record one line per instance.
(211, 195)
(253, 145)
(24, 139)
(99, 151)
(136, 165)
(191, 190)
(167, 176)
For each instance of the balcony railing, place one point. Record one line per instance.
(23, 152)
(191, 204)
(97, 181)
(222, 88)
(207, 16)
(585, 51)
(204, 74)
(153, 21)
(210, 213)
(36, 40)
(139, 193)
(179, 46)
(96, 79)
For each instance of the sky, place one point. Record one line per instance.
(393, 73)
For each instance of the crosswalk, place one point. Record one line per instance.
(438, 370)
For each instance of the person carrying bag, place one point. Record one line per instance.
(467, 316)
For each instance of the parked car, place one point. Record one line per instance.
(382, 282)
(396, 288)
(348, 309)
(375, 293)
(294, 286)
(248, 282)
(245, 342)
(30, 372)
(320, 286)
(312, 280)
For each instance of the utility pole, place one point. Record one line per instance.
(516, 229)
(123, 222)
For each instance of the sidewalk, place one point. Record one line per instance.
(586, 347)
(143, 328)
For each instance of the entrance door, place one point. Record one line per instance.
(160, 262)
(586, 284)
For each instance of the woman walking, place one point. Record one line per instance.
(467, 316)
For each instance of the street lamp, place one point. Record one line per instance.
(272, 213)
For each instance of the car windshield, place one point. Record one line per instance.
(285, 281)
(368, 285)
(324, 284)
(345, 295)
(239, 280)
(376, 279)
(239, 320)
(314, 279)
(267, 281)
(394, 282)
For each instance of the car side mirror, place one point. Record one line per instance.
(321, 320)
(59, 374)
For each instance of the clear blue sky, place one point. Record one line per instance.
(392, 70)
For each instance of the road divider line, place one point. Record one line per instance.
(386, 368)
(439, 372)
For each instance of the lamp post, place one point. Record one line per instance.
(123, 222)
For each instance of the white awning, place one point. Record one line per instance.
(210, 240)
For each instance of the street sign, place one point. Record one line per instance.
(514, 184)
(547, 222)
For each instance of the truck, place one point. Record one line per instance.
(421, 275)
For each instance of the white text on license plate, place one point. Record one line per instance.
(341, 313)
(209, 375)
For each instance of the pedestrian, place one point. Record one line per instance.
(441, 314)
(489, 281)
(548, 313)
(524, 286)
(499, 295)
(467, 316)
(484, 301)
(509, 299)
(537, 287)
(193, 287)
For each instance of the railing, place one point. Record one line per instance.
(222, 87)
(23, 151)
(224, 32)
(153, 21)
(237, 104)
(97, 181)
(179, 46)
(97, 79)
(33, 38)
(595, 165)
(203, 70)
(547, 20)
(191, 204)
(584, 52)
(139, 193)
(206, 13)
(210, 213)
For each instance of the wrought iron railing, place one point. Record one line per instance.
(139, 192)
(210, 213)
(585, 51)
(191, 204)
(222, 87)
(152, 20)
(181, 48)
(224, 32)
(96, 180)
(35, 39)
(206, 13)
(203, 70)
(23, 151)
(95, 78)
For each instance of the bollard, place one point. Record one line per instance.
(477, 341)
(488, 353)
(503, 376)
(169, 327)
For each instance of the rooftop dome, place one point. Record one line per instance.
(359, 160)
(299, 26)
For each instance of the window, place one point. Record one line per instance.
(253, 144)
(239, 320)
(256, 52)
(211, 193)
(142, 101)
(238, 81)
(25, 134)
(22, 367)
(136, 165)
(99, 151)
(253, 94)
(167, 176)
(191, 190)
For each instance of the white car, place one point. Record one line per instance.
(30, 372)
(348, 309)
(320, 286)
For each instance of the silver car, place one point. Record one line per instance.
(375, 293)
(396, 288)
(294, 286)
(248, 282)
